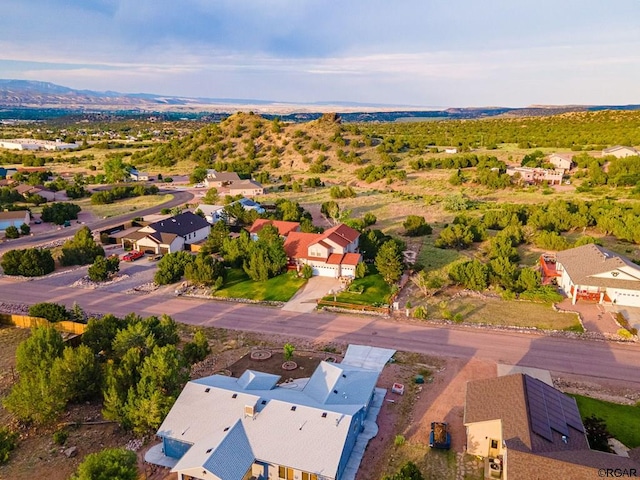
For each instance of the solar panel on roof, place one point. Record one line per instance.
(550, 409)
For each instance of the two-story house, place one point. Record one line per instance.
(333, 253)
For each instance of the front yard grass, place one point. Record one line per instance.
(376, 290)
(276, 289)
(495, 311)
(622, 420)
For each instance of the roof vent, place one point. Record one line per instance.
(335, 391)
(235, 395)
(263, 402)
(324, 414)
(209, 450)
(344, 375)
(226, 429)
(207, 390)
(293, 409)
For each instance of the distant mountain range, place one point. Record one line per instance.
(32, 100)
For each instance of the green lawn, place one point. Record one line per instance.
(622, 420)
(276, 289)
(375, 290)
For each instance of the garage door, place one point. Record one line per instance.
(323, 271)
(627, 298)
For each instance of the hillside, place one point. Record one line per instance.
(247, 143)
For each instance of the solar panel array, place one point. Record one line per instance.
(550, 409)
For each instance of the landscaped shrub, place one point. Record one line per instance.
(51, 311)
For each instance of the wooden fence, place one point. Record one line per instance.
(355, 306)
(26, 321)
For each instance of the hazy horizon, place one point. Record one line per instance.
(428, 54)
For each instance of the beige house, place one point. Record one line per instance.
(220, 179)
(562, 161)
(171, 234)
(524, 429)
(536, 175)
(620, 151)
(247, 188)
(333, 253)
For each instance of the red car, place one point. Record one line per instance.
(132, 256)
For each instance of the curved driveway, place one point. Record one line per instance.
(559, 354)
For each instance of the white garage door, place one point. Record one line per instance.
(323, 271)
(627, 298)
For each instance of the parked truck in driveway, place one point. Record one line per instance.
(440, 436)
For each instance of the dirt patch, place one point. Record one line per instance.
(306, 362)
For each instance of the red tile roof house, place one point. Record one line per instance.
(526, 429)
(333, 253)
(284, 228)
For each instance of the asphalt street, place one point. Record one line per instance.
(179, 198)
(606, 360)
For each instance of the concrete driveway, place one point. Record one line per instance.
(305, 299)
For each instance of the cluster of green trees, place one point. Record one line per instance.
(30, 262)
(50, 376)
(261, 259)
(59, 213)
(82, 249)
(122, 191)
(583, 130)
(544, 223)
(132, 363)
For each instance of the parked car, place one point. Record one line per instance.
(133, 255)
(440, 436)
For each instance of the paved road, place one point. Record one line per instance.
(558, 354)
(179, 198)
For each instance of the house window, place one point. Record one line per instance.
(285, 473)
(494, 443)
(309, 476)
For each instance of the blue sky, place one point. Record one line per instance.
(398, 52)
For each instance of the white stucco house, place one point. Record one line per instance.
(257, 427)
(596, 273)
(333, 253)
